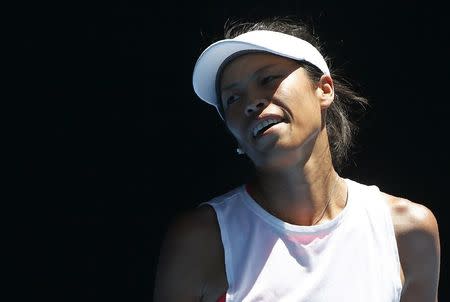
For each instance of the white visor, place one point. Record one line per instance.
(210, 61)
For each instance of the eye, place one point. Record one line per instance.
(231, 99)
(268, 79)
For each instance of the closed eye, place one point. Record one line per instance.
(268, 79)
(231, 99)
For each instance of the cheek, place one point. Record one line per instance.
(298, 95)
(294, 98)
(303, 106)
(233, 130)
(233, 125)
(296, 86)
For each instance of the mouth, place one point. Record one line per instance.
(264, 125)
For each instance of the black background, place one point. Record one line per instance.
(112, 141)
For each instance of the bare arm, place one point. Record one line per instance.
(419, 248)
(189, 256)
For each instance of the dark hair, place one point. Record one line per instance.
(340, 129)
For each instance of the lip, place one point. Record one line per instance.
(263, 118)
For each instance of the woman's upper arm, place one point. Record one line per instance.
(183, 260)
(418, 242)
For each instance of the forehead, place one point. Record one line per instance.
(246, 65)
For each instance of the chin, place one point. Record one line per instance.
(277, 161)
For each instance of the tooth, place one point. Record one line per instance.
(263, 124)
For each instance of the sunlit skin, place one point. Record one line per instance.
(261, 85)
(292, 158)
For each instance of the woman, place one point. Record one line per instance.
(297, 231)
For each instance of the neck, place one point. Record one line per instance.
(305, 195)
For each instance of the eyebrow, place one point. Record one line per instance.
(232, 85)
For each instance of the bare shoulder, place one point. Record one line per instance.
(411, 216)
(190, 254)
(417, 234)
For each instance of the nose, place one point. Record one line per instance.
(256, 106)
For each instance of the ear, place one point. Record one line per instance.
(325, 91)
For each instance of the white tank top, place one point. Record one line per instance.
(352, 258)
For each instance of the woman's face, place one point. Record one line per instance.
(272, 108)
